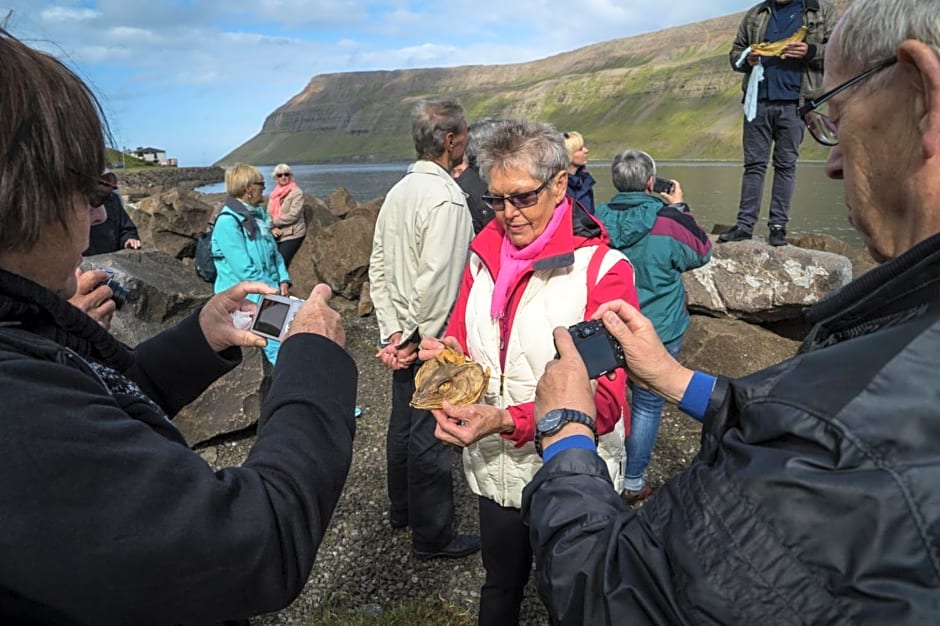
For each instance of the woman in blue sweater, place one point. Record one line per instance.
(242, 244)
(662, 240)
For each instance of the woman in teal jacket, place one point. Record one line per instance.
(662, 240)
(242, 244)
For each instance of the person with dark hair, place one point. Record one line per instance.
(420, 242)
(470, 180)
(815, 497)
(775, 85)
(108, 516)
(117, 231)
(658, 234)
(543, 261)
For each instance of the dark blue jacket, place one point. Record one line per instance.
(815, 498)
(581, 188)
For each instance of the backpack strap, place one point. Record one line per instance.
(594, 266)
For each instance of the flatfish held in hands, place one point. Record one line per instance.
(449, 376)
(776, 48)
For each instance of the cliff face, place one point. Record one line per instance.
(671, 93)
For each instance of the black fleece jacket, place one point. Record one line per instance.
(107, 517)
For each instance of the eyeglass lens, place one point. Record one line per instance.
(519, 200)
(821, 126)
(282, 175)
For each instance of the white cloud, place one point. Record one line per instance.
(67, 15)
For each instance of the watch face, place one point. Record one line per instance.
(551, 421)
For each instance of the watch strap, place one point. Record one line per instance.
(566, 416)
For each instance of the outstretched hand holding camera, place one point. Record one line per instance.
(648, 361)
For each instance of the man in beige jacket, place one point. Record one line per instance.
(418, 254)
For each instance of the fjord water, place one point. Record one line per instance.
(711, 189)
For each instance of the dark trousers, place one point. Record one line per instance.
(776, 123)
(420, 483)
(289, 248)
(507, 559)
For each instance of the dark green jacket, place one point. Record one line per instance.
(661, 241)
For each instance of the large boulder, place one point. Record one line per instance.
(170, 221)
(731, 347)
(859, 257)
(341, 202)
(341, 255)
(160, 293)
(755, 282)
(230, 404)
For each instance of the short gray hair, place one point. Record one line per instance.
(282, 168)
(537, 149)
(431, 120)
(872, 30)
(631, 170)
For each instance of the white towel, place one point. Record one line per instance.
(750, 96)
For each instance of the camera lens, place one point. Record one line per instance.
(119, 292)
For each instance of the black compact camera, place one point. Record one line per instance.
(599, 350)
(663, 185)
(119, 292)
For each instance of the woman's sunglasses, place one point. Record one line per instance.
(519, 200)
(282, 175)
(101, 191)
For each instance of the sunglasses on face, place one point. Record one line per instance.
(100, 192)
(282, 175)
(260, 183)
(519, 200)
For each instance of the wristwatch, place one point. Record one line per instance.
(552, 422)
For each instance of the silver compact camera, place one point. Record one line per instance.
(274, 316)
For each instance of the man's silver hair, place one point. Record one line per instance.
(872, 30)
(631, 170)
(431, 120)
(537, 149)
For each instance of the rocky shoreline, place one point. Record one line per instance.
(144, 181)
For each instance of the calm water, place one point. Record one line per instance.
(711, 189)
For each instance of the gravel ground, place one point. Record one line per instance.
(363, 563)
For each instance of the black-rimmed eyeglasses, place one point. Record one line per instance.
(819, 124)
(519, 200)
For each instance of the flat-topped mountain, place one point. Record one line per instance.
(671, 93)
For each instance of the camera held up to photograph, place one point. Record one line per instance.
(119, 293)
(274, 316)
(663, 185)
(599, 350)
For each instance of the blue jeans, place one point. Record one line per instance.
(645, 410)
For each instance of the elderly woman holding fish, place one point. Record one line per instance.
(542, 263)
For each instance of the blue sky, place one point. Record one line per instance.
(198, 77)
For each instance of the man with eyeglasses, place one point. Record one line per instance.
(788, 79)
(815, 498)
(418, 252)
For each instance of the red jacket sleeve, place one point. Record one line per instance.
(611, 395)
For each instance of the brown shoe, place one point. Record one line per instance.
(632, 497)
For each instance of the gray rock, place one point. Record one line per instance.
(341, 202)
(731, 347)
(755, 282)
(170, 221)
(341, 254)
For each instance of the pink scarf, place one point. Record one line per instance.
(513, 261)
(274, 200)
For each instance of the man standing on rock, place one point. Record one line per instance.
(815, 498)
(418, 253)
(790, 75)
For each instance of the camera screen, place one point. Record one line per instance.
(597, 354)
(271, 317)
